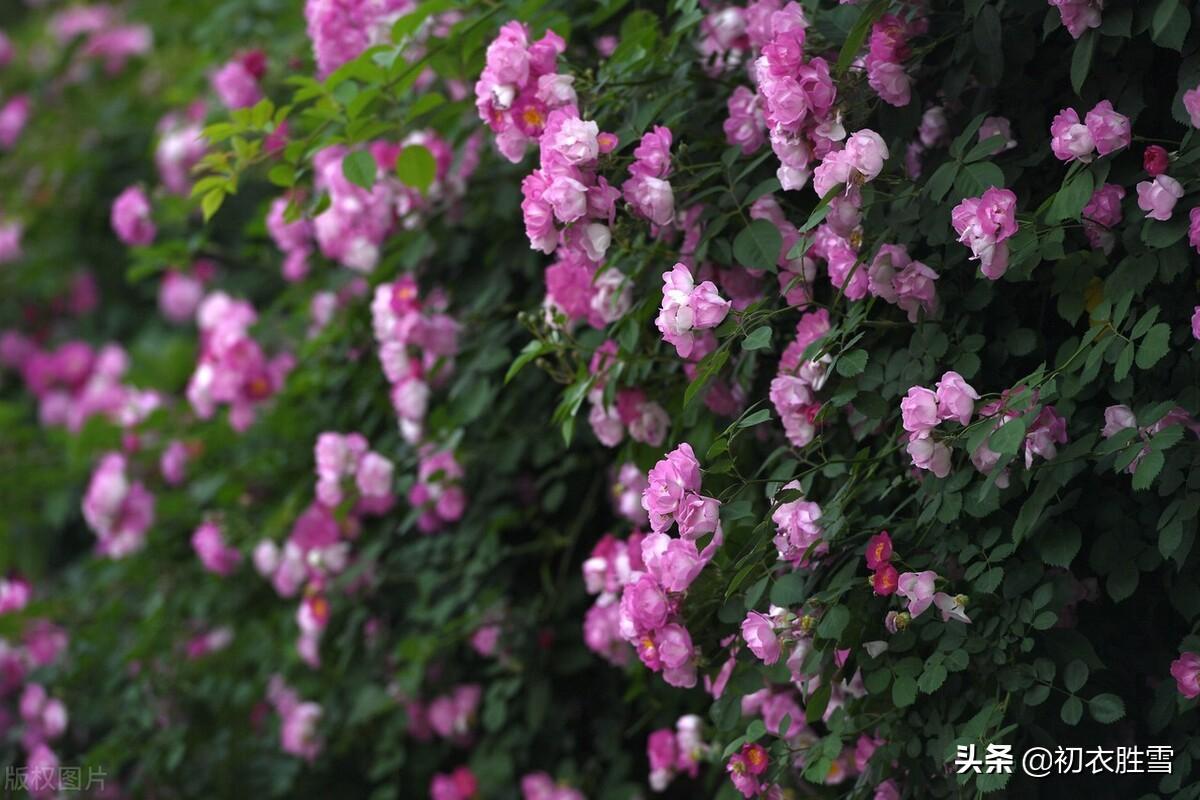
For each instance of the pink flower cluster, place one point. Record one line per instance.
(1042, 437)
(1101, 215)
(568, 209)
(10, 239)
(884, 576)
(299, 720)
(181, 145)
(888, 50)
(798, 532)
(984, 224)
(746, 768)
(922, 409)
(106, 37)
(540, 786)
(647, 191)
(645, 420)
(451, 716)
(611, 565)
(236, 82)
(45, 717)
(352, 229)
(180, 292)
(437, 495)
(340, 30)
(676, 752)
(349, 471)
(793, 389)
(232, 368)
(518, 87)
(131, 217)
(918, 589)
(417, 343)
(1102, 131)
(457, 785)
(902, 281)
(74, 382)
(796, 95)
(214, 553)
(118, 509)
(1078, 15)
(14, 116)
(745, 127)
(688, 307)
(648, 616)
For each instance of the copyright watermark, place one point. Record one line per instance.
(66, 779)
(1040, 762)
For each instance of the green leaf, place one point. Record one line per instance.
(1148, 469)
(755, 730)
(941, 180)
(1069, 201)
(758, 245)
(822, 208)
(1154, 346)
(528, 353)
(1072, 711)
(1106, 708)
(904, 691)
(1170, 24)
(758, 338)
(932, 678)
(1081, 59)
(757, 418)
(817, 703)
(833, 622)
(416, 167)
(212, 203)
(359, 168)
(852, 363)
(1075, 675)
(1008, 437)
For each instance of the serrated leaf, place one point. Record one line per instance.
(1106, 708)
(1154, 345)
(1148, 469)
(852, 363)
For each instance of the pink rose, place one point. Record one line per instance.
(919, 410)
(955, 398)
(1071, 139)
(759, 632)
(1110, 130)
(1186, 672)
(1158, 197)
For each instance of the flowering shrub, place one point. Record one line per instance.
(886, 319)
